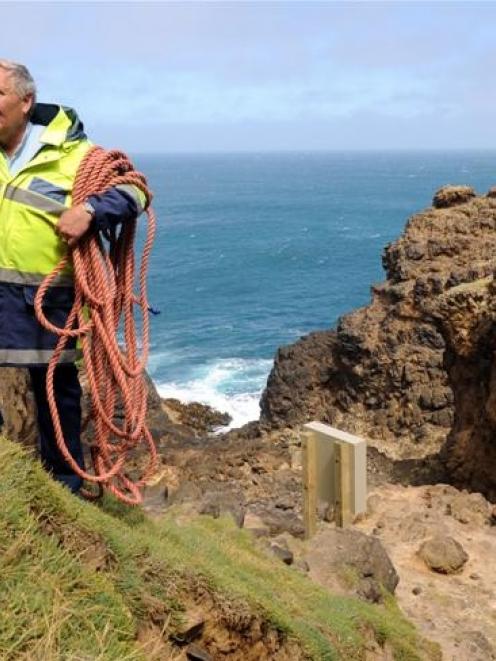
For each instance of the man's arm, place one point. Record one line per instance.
(118, 204)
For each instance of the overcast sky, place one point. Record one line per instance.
(232, 76)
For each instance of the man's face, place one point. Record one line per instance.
(13, 108)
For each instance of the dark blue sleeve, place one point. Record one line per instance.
(113, 207)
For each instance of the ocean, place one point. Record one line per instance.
(255, 250)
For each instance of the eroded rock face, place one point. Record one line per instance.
(17, 406)
(467, 319)
(381, 373)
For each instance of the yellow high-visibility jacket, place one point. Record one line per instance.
(31, 202)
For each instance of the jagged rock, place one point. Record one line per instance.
(222, 502)
(279, 521)
(193, 499)
(200, 418)
(187, 492)
(381, 371)
(443, 554)
(256, 525)
(354, 559)
(282, 553)
(449, 196)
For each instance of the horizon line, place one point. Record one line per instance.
(311, 151)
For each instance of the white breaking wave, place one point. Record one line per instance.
(231, 385)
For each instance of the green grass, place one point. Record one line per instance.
(83, 582)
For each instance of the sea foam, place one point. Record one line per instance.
(230, 385)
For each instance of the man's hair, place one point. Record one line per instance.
(23, 80)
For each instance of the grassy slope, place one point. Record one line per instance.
(79, 582)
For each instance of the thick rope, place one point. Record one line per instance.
(104, 299)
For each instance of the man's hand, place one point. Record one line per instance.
(73, 223)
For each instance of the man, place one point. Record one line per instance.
(41, 147)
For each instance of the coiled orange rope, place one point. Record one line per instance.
(104, 298)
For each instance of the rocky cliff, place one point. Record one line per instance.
(382, 371)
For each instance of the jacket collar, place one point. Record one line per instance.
(62, 124)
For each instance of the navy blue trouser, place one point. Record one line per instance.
(68, 397)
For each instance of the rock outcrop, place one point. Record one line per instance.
(382, 373)
(348, 556)
(467, 318)
(200, 418)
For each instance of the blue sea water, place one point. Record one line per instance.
(255, 250)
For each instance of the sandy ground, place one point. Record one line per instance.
(459, 610)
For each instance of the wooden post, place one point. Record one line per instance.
(309, 484)
(334, 473)
(342, 481)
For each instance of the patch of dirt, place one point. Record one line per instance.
(231, 630)
(457, 611)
